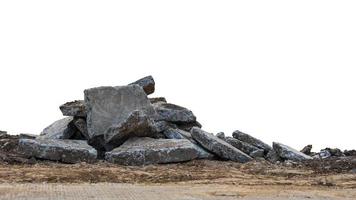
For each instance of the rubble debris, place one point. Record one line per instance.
(221, 135)
(157, 100)
(144, 151)
(251, 140)
(109, 106)
(245, 147)
(67, 151)
(272, 156)
(74, 109)
(137, 124)
(219, 147)
(323, 154)
(335, 152)
(173, 134)
(122, 125)
(61, 129)
(350, 152)
(189, 126)
(174, 113)
(288, 153)
(307, 150)
(147, 83)
(161, 126)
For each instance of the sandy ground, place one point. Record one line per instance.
(185, 191)
(201, 179)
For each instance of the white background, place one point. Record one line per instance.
(279, 70)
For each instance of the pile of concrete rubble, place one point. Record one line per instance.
(122, 125)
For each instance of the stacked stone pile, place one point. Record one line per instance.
(123, 125)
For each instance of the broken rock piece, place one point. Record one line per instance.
(147, 83)
(288, 153)
(108, 106)
(245, 147)
(67, 151)
(307, 149)
(144, 151)
(157, 100)
(74, 108)
(137, 124)
(251, 140)
(173, 113)
(218, 146)
(61, 129)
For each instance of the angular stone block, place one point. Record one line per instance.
(218, 146)
(67, 151)
(144, 151)
(109, 106)
(251, 140)
(74, 108)
(288, 153)
(61, 129)
(147, 83)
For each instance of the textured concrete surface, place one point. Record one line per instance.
(162, 192)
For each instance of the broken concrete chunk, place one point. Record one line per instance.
(307, 149)
(108, 106)
(251, 140)
(221, 135)
(245, 147)
(145, 151)
(147, 83)
(158, 100)
(175, 133)
(67, 151)
(218, 146)
(74, 108)
(272, 156)
(259, 153)
(288, 153)
(61, 129)
(81, 125)
(161, 126)
(189, 126)
(173, 113)
(137, 124)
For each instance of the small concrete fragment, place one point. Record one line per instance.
(218, 146)
(173, 113)
(251, 140)
(67, 151)
(137, 124)
(108, 106)
(245, 147)
(74, 108)
(61, 129)
(221, 135)
(157, 100)
(145, 151)
(147, 83)
(324, 154)
(272, 156)
(307, 150)
(288, 153)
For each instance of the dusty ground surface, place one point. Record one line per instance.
(170, 192)
(200, 179)
(27, 178)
